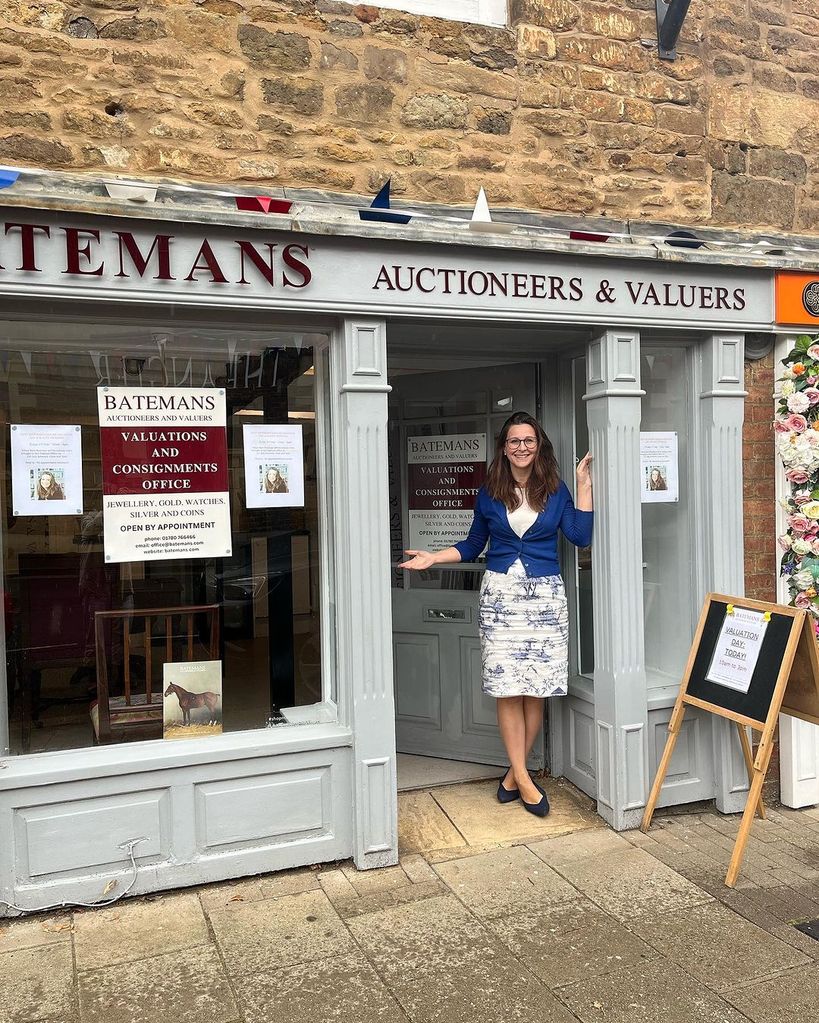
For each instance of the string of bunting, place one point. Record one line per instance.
(381, 211)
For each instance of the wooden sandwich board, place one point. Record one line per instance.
(749, 662)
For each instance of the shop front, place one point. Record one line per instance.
(220, 433)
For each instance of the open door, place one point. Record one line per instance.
(440, 708)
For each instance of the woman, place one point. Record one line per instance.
(274, 482)
(48, 489)
(523, 613)
(656, 481)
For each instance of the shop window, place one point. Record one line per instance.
(112, 635)
(477, 12)
(582, 557)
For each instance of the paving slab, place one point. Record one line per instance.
(336, 887)
(792, 997)
(292, 929)
(391, 897)
(651, 992)
(445, 967)
(257, 889)
(505, 881)
(134, 930)
(716, 946)
(37, 984)
(567, 943)
(186, 987)
(31, 932)
(374, 882)
(342, 988)
(482, 820)
(629, 883)
(417, 869)
(423, 825)
(580, 845)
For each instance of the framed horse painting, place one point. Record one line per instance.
(192, 702)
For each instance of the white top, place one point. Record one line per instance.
(523, 516)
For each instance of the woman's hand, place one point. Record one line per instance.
(419, 560)
(583, 471)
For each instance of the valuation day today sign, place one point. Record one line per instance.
(196, 263)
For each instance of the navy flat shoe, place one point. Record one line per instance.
(507, 795)
(538, 809)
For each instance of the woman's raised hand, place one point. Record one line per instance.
(583, 471)
(419, 560)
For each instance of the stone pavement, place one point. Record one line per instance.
(542, 921)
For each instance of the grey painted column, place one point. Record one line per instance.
(362, 575)
(720, 387)
(620, 697)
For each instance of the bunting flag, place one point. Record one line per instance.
(262, 204)
(8, 177)
(684, 240)
(587, 236)
(134, 191)
(380, 209)
(482, 218)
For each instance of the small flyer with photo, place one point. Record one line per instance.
(46, 469)
(274, 466)
(659, 471)
(192, 699)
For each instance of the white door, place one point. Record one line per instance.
(440, 709)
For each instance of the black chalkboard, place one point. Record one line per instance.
(756, 703)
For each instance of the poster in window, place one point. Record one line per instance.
(444, 475)
(659, 471)
(46, 469)
(164, 473)
(274, 466)
(192, 700)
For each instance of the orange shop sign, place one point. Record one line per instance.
(797, 298)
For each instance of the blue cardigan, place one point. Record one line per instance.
(537, 548)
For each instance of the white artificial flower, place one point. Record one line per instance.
(799, 402)
(787, 388)
(803, 578)
(801, 547)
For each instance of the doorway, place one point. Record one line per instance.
(452, 390)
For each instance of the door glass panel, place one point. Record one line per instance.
(668, 584)
(583, 555)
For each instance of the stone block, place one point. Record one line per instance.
(135, 30)
(680, 120)
(559, 123)
(386, 65)
(364, 102)
(743, 200)
(554, 14)
(374, 882)
(303, 99)
(609, 22)
(94, 124)
(601, 52)
(37, 152)
(493, 122)
(597, 106)
(533, 41)
(776, 163)
(336, 56)
(471, 81)
(347, 29)
(282, 51)
(435, 110)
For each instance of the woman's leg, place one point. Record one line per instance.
(512, 724)
(533, 716)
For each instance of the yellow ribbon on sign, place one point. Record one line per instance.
(730, 609)
(767, 616)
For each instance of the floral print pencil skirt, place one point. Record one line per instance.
(524, 626)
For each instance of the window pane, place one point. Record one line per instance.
(583, 556)
(87, 640)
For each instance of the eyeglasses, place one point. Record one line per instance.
(527, 442)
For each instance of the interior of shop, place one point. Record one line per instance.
(79, 630)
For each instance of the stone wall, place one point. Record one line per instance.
(565, 110)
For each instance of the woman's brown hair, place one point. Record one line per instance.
(545, 478)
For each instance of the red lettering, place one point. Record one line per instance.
(266, 269)
(28, 233)
(161, 245)
(73, 251)
(206, 260)
(298, 265)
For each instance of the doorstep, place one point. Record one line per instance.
(458, 819)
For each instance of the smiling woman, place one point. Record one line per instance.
(523, 612)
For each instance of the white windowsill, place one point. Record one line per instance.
(475, 12)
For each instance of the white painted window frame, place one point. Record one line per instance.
(476, 12)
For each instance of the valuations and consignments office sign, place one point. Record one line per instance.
(164, 473)
(75, 256)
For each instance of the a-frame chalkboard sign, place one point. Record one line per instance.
(749, 661)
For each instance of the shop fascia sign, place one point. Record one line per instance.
(183, 262)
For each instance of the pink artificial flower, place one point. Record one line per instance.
(797, 423)
(802, 600)
(797, 476)
(811, 380)
(784, 542)
(813, 352)
(799, 523)
(801, 496)
(781, 425)
(812, 394)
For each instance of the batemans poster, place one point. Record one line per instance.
(444, 475)
(164, 473)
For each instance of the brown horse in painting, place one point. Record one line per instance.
(192, 701)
